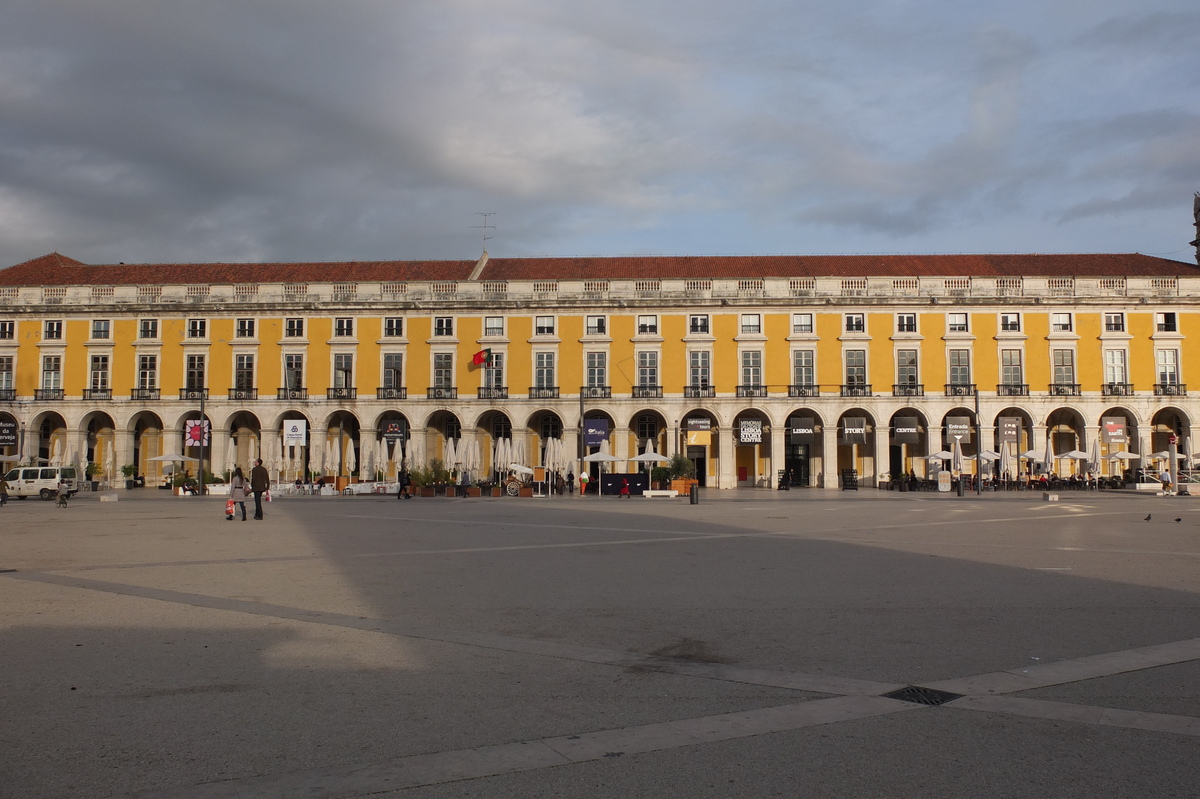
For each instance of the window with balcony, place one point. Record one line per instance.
(493, 326)
(698, 324)
(1166, 323)
(393, 370)
(343, 327)
(52, 372)
(802, 323)
(803, 368)
(293, 327)
(343, 370)
(7, 384)
(752, 368)
(1063, 362)
(960, 367)
(443, 370)
(493, 373)
(699, 369)
(53, 330)
(147, 379)
(393, 327)
(597, 369)
(197, 328)
(293, 372)
(99, 373)
(543, 371)
(647, 325)
(856, 323)
(906, 368)
(957, 323)
(647, 374)
(1012, 374)
(148, 328)
(1168, 371)
(1061, 323)
(751, 324)
(1114, 367)
(596, 325)
(906, 323)
(244, 328)
(1114, 323)
(856, 373)
(243, 372)
(194, 375)
(543, 325)
(101, 329)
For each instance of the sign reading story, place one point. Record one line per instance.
(295, 432)
(595, 432)
(958, 428)
(802, 430)
(1009, 429)
(750, 431)
(1112, 430)
(854, 430)
(905, 430)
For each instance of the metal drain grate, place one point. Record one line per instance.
(923, 696)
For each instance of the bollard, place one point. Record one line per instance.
(694, 494)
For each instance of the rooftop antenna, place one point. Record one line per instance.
(485, 227)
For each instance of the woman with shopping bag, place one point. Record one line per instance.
(237, 494)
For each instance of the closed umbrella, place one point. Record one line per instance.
(252, 449)
(450, 453)
(351, 461)
(1049, 457)
(231, 454)
(956, 458)
(518, 451)
(398, 454)
(333, 460)
(1093, 464)
(415, 452)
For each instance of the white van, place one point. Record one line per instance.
(40, 481)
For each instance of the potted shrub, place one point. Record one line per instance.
(660, 476)
(683, 473)
(422, 481)
(128, 471)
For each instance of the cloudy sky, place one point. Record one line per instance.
(294, 130)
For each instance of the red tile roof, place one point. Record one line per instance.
(55, 269)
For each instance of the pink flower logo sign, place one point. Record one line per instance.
(195, 433)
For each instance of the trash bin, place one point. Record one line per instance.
(694, 494)
(903, 486)
(961, 484)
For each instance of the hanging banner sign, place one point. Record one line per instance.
(699, 438)
(8, 433)
(958, 428)
(854, 430)
(802, 430)
(1010, 429)
(906, 430)
(1112, 430)
(595, 432)
(698, 423)
(295, 432)
(750, 431)
(195, 433)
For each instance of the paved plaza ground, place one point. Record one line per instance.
(598, 647)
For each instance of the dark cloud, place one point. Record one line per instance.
(301, 130)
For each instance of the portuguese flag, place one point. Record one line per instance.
(482, 358)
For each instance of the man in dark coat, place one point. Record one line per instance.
(260, 481)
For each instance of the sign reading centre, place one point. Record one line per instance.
(905, 430)
(295, 432)
(750, 431)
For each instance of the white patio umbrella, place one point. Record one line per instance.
(351, 460)
(415, 452)
(1093, 464)
(956, 457)
(501, 454)
(989, 456)
(56, 453)
(940, 455)
(281, 454)
(398, 454)
(231, 454)
(333, 460)
(1049, 457)
(174, 459)
(381, 456)
(601, 457)
(518, 450)
(450, 452)
(649, 456)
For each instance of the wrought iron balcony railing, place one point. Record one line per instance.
(804, 390)
(1064, 389)
(908, 389)
(752, 391)
(97, 393)
(145, 394)
(243, 394)
(960, 389)
(441, 393)
(856, 389)
(341, 393)
(193, 393)
(493, 392)
(647, 392)
(8, 394)
(699, 392)
(543, 392)
(47, 393)
(595, 392)
(292, 394)
(1012, 390)
(392, 393)
(1116, 389)
(1170, 389)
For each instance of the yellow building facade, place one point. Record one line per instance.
(827, 368)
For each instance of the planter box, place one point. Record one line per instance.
(474, 491)
(426, 491)
(684, 485)
(497, 491)
(525, 491)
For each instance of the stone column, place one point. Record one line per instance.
(778, 454)
(829, 455)
(727, 452)
(882, 459)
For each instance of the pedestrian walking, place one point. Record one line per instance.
(3, 492)
(624, 488)
(403, 481)
(570, 482)
(260, 482)
(237, 492)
